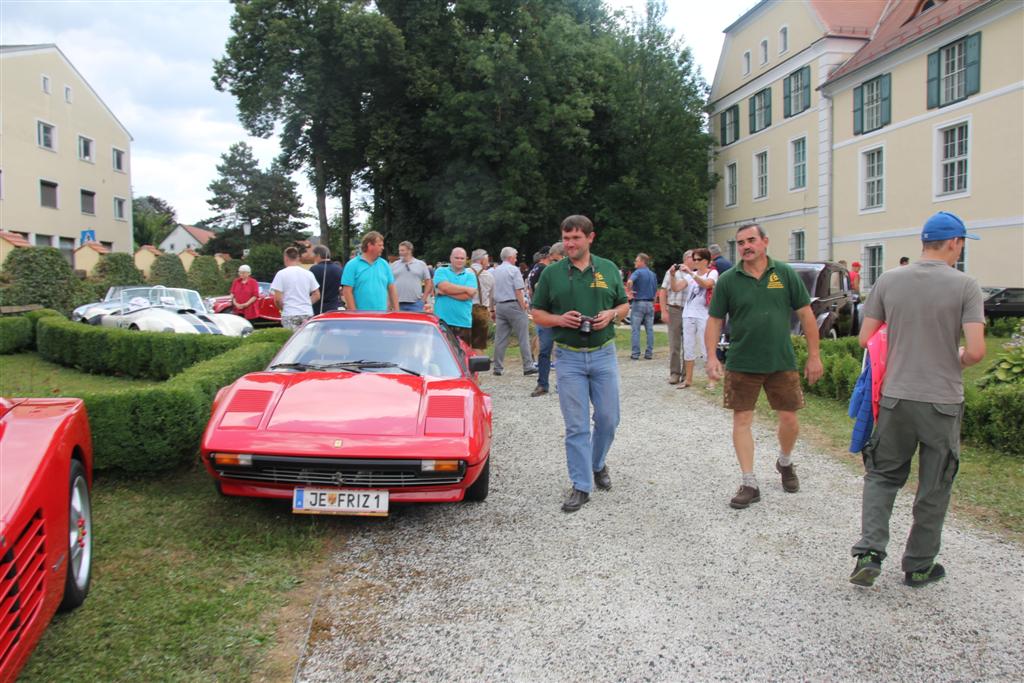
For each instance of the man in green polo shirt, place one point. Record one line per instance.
(581, 297)
(759, 294)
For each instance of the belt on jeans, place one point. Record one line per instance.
(507, 301)
(643, 299)
(584, 348)
(674, 306)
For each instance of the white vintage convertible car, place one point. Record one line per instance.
(163, 309)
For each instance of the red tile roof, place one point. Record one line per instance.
(903, 23)
(850, 18)
(150, 248)
(15, 239)
(226, 257)
(201, 234)
(95, 246)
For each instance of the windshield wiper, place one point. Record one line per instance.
(292, 366)
(359, 365)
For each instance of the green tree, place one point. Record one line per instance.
(243, 193)
(119, 269)
(168, 271)
(205, 277)
(313, 67)
(41, 275)
(153, 219)
(265, 261)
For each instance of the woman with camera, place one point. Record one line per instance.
(701, 282)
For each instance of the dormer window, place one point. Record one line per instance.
(764, 52)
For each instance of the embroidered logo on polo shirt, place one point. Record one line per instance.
(599, 281)
(774, 282)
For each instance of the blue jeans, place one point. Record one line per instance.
(546, 343)
(586, 377)
(411, 306)
(642, 313)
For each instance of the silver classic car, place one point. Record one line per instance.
(162, 309)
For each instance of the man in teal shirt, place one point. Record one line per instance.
(759, 294)
(367, 284)
(455, 287)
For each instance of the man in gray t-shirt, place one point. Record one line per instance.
(412, 280)
(925, 306)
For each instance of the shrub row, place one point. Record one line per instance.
(152, 430)
(109, 351)
(15, 334)
(993, 416)
(1004, 327)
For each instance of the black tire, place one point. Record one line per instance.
(79, 557)
(477, 492)
(133, 328)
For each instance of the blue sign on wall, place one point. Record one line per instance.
(88, 236)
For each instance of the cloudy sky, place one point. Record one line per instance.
(151, 62)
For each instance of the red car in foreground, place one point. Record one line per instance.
(45, 519)
(266, 308)
(357, 411)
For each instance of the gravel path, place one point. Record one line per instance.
(657, 579)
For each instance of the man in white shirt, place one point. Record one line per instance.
(673, 298)
(510, 307)
(295, 290)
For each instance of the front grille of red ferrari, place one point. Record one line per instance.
(339, 472)
(22, 570)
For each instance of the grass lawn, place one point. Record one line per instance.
(187, 585)
(28, 375)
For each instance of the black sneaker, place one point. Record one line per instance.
(867, 569)
(575, 500)
(602, 479)
(923, 578)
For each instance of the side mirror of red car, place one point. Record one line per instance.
(479, 363)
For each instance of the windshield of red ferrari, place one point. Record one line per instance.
(369, 346)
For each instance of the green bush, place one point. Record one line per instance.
(41, 275)
(995, 416)
(119, 269)
(34, 316)
(15, 334)
(1004, 327)
(1007, 368)
(168, 271)
(109, 351)
(205, 277)
(277, 335)
(265, 261)
(157, 429)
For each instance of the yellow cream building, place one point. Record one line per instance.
(66, 159)
(772, 124)
(927, 117)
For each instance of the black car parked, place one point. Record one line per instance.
(1003, 302)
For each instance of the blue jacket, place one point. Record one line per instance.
(860, 409)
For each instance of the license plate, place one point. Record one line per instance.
(339, 502)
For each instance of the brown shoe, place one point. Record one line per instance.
(790, 482)
(674, 379)
(744, 497)
(539, 391)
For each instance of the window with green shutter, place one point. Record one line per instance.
(760, 108)
(954, 71)
(729, 124)
(796, 92)
(872, 104)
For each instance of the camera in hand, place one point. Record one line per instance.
(586, 324)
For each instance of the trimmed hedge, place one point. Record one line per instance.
(167, 270)
(109, 351)
(119, 269)
(15, 334)
(277, 335)
(148, 431)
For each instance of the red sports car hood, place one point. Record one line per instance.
(368, 403)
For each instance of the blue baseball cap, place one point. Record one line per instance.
(945, 226)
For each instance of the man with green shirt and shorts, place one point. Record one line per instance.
(759, 295)
(580, 298)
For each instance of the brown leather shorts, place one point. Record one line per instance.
(481, 326)
(463, 333)
(782, 388)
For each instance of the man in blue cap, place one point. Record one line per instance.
(926, 305)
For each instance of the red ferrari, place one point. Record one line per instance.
(265, 306)
(356, 412)
(45, 519)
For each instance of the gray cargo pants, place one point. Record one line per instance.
(510, 318)
(902, 426)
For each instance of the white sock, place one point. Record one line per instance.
(785, 460)
(750, 480)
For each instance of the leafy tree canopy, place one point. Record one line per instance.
(153, 219)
